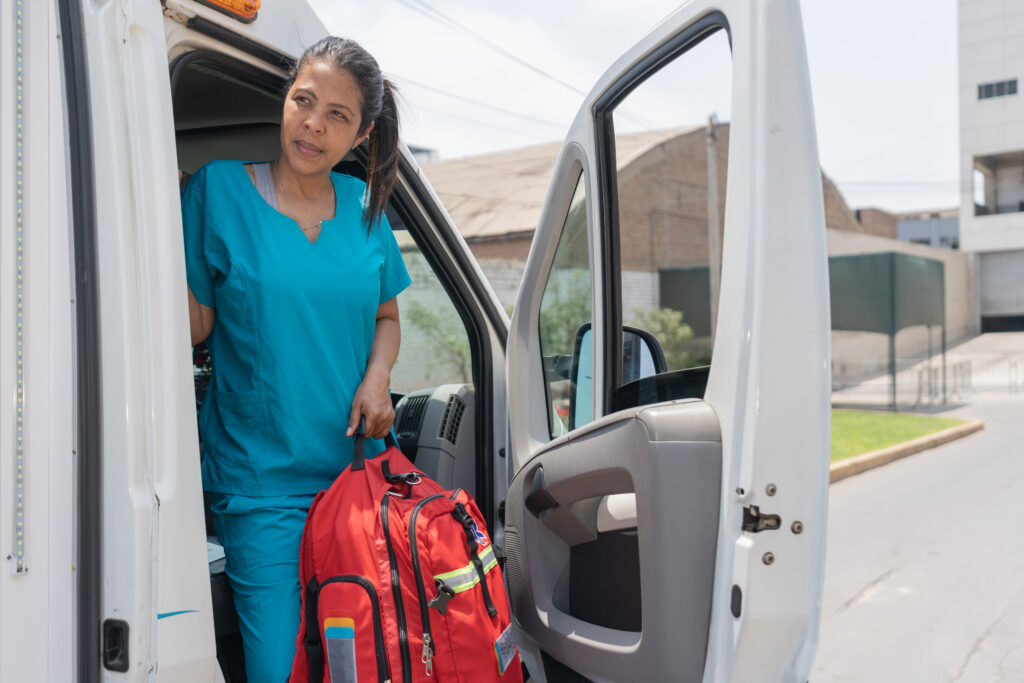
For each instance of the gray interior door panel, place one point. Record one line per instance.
(626, 604)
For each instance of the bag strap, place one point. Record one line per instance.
(359, 448)
(314, 646)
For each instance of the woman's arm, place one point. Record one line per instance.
(200, 318)
(373, 397)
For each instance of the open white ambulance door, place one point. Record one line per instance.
(145, 609)
(666, 520)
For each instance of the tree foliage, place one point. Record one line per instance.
(447, 336)
(564, 309)
(667, 326)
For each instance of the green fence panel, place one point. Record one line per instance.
(688, 290)
(881, 293)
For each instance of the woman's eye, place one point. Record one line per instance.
(338, 115)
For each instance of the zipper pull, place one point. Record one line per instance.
(428, 654)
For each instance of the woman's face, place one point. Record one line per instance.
(321, 120)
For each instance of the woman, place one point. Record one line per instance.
(293, 273)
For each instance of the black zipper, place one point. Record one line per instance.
(421, 592)
(383, 668)
(466, 520)
(396, 589)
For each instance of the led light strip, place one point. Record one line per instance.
(19, 566)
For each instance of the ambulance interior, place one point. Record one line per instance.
(226, 109)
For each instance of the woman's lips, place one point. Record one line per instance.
(306, 149)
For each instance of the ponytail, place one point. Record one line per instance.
(378, 107)
(382, 156)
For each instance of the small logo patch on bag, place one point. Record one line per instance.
(505, 649)
(480, 537)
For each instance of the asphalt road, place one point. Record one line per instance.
(924, 576)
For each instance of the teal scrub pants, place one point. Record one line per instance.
(261, 538)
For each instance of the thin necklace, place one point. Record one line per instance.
(319, 223)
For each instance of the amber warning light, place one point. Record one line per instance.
(240, 9)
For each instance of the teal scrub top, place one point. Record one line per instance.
(293, 331)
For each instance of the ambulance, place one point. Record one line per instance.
(660, 522)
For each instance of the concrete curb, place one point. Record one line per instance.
(869, 461)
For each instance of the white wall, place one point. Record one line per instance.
(1001, 281)
(1009, 184)
(504, 276)
(991, 48)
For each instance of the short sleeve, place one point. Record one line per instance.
(393, 275)
(193, 220)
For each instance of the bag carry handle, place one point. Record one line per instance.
(359, 448)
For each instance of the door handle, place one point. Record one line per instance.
(538, 500)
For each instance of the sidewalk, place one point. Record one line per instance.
(987, 364)
(979, 371)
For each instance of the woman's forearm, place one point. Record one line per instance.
(373, 398)
(386, 339)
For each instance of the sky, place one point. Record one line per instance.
(480, 76)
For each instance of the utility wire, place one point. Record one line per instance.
(930, 133)
(440, 17)
(481, 122)
(562, 126)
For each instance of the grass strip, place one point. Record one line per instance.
(859, 431)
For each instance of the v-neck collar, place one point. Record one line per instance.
(283, 217)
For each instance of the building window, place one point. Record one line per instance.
(998, 183)
(997, 89)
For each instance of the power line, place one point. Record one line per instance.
(440, 17)
(446, 93)
(481, 122)
(929, 133)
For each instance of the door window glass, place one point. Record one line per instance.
(671, 153)
(435, 345)
(564, 322)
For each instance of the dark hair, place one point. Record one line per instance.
(378, 107)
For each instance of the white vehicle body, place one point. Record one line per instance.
(101, 511)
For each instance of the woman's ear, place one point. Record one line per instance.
(368, 131)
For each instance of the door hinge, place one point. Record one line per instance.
(754, 521)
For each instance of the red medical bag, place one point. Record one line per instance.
(400, 582)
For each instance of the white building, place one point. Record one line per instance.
(940, 228)
(991, 36)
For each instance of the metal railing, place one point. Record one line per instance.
(922, 382)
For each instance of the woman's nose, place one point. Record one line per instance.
(314, 122)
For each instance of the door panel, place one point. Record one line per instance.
(151, 541)
(676, 488)
(721, 598)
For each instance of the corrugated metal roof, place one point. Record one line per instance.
(502, 193)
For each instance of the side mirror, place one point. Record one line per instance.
(642, 356)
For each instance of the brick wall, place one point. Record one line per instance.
(879, 223)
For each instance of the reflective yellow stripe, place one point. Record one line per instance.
(464, 578)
